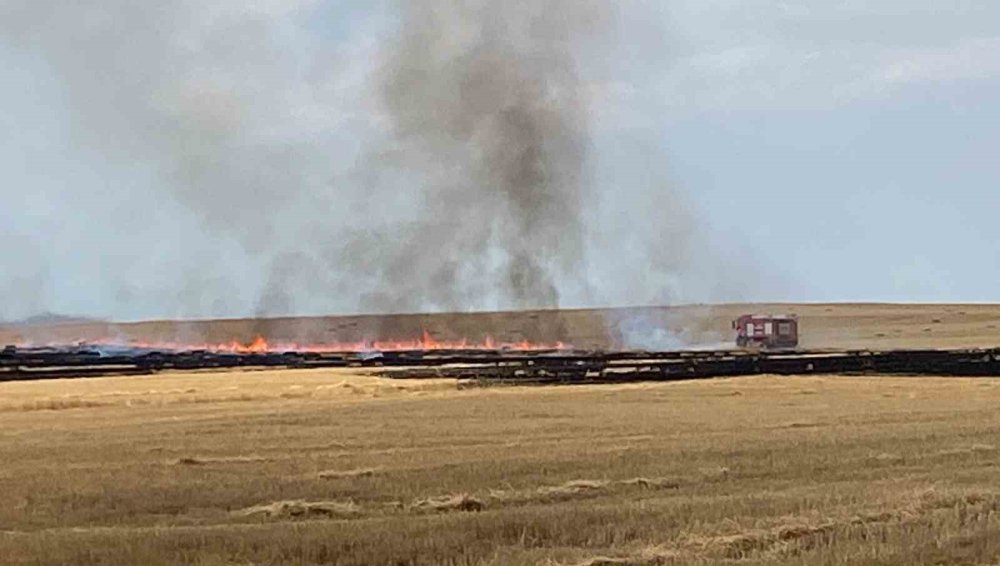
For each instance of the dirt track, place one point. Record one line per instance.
(838, 326)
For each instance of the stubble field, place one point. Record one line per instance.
(329, 467)
(824, 326)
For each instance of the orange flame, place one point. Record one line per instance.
(261, 345)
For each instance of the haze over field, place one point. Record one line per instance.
(197, 159)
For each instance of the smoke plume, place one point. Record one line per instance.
(488, 116)
(267, 158)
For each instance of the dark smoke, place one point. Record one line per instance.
(446, 164)
(489, 120)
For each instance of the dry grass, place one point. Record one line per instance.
(208, 388)
(300, 510)
(824, 326)
(347, 474)
(192, 461)
(326, 467)
(463, 502)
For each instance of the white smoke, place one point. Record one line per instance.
(236, 158)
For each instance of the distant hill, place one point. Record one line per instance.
(48, 319)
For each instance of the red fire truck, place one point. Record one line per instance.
(767, 331)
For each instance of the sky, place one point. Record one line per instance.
(758, 150)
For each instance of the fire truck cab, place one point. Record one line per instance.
(767, 331)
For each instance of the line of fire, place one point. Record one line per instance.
(763, 344)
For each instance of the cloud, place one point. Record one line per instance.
(968, 59)
(767, 54)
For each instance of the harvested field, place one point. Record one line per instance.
(321, 467)
(834, 326)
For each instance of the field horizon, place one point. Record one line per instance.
(824, 325)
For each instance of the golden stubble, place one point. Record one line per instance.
(334, 466)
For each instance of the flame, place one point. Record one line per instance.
(261, 345)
